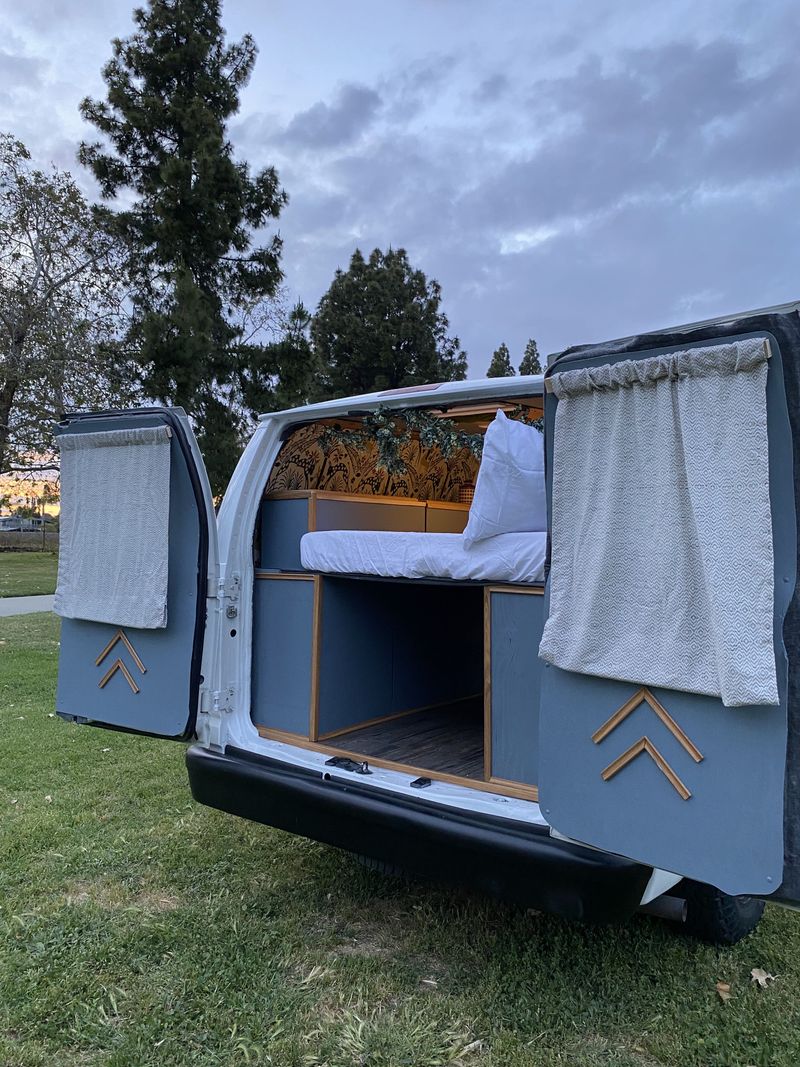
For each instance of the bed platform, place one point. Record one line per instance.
(287, 515)
(516, 558)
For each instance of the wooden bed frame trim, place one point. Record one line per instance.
(313, 495)
(487, 682)
(316, 644)
(286, 576)
(446, 505)
(327, 494)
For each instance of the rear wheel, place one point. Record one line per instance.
(390, 870)
(716, 917)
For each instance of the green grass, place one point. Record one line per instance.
(138, 928)
(27, 573)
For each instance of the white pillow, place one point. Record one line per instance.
(509, 493)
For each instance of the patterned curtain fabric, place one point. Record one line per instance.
(662, 559)
(113, 561)
(343, 468)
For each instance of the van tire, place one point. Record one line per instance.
(389, 870)
(717, 917)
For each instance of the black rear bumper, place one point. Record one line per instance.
(509, 860)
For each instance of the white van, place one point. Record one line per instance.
(566, 676)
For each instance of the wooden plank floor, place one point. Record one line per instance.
(448, 739)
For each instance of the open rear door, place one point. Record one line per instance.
(670, 724)
(138, 554)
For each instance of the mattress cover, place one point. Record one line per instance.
(510, 557)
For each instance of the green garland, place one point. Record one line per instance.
(391, 429)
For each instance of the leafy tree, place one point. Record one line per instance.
(380, 326)
(61, 310)
(500, 367)
(186, 210)
(284, 374)
(530, 360)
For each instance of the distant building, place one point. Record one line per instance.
(37, 491)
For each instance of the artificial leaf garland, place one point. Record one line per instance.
(391, 429)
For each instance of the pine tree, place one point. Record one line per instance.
(380, 326)
(500, 367)
(530, 361)
(186, 210)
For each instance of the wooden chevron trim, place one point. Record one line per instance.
(644, 695)
(118, 665)
(644, 744)
(120, 635)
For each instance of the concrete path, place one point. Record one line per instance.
(24, 605)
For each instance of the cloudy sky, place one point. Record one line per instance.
(572, 171)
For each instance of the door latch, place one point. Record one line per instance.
(344, 763)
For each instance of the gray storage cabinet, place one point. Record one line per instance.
(514, 621)
(284, 636)
(333, 653)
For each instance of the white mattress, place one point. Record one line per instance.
(510, 557)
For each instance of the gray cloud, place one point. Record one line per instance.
(331, 125)
(635, 197)
(412, 89)
(19, 71)
(492, 88)
(662, 125)
(610, 168)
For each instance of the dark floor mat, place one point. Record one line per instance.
(447, 739)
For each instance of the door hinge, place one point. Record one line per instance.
(214, 706)
(224, 588)
(208, 699)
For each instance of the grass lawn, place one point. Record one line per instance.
(26, 573)
(138, 928)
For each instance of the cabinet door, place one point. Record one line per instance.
(515, 672)
(286, 612)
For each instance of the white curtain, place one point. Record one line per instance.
(114, 531)
(662, 559)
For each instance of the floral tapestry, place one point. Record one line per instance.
(302, 463)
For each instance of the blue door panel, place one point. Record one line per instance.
(729, 832)
(616, 793)
(162, 698)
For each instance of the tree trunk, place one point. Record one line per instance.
(8, 390)
(9, 385)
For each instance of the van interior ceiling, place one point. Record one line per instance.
(406, 671)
